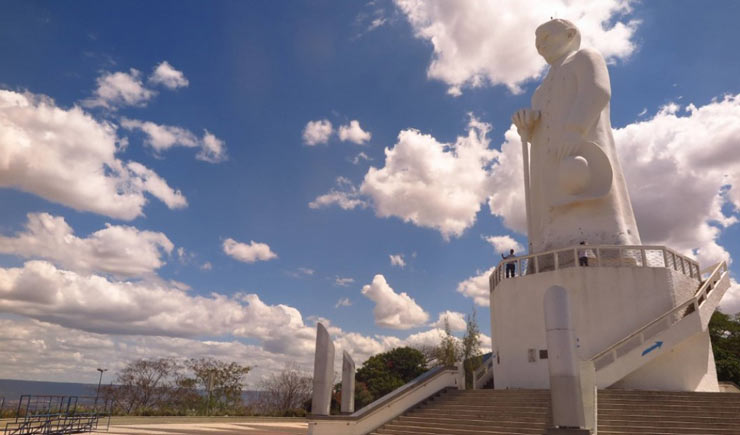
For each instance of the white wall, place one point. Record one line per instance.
(608, 303)
(687, 367)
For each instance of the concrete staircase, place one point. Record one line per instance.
(623, 412)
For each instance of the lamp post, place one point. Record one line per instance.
(100, 381)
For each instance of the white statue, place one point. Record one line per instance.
(574, 182)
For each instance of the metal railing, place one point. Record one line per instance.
(660, 324)
(480, 377)
(57, 415)
(595, 256)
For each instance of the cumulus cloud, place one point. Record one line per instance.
(492, 41)
(353, 133)
(433, 184)
(120, 89)
(164, 137)
(345, 195)
(397, 260)
(46, 352)
(94, 303)
(66, 156)
(683, 173)
(476, 288)
(504, 244)
(393, 310)
(455, 319)
(212, 149)
(731, 300)
(166, 75)
(317, 132)
(248, 252)
(122, 251)
(343, 302)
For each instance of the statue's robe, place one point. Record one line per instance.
(574, 96)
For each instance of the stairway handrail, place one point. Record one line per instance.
(719, 270)
(595, 250)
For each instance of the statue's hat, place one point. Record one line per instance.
(594, 178)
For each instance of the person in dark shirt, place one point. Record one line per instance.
(510, 266)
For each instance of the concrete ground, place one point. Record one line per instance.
(204, 425)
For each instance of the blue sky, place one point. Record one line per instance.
(230, 91)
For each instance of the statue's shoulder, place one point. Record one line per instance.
(587, 55)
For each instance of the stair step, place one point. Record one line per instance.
(452, 430)
(524, 412)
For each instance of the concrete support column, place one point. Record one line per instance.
(323, 372)
(348, 383)
(568, 414)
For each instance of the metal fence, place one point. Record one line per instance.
(52, 415)
(595, 256)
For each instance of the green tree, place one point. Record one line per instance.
(449, 352)
(221, 382)
(471, 352)
(724, 331)
(143, 385)
(385, 372)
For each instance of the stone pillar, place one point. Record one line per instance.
(323, 372)
(348, 384)
(565, 380)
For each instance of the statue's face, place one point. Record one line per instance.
(553, 41)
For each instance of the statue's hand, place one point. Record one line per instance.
(567, 144)
(525, 120)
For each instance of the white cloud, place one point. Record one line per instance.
(397, 260)
(345, 195)
(455, 319)
(360, 157)
(476, 288)
(94, 303)
(212, 149)
(377, 22)
(166, 75)
(492, 42)
(206, 266)
(248, 252)
(393, 310)
(504, 244)
(164, 137)
(354, 133)
(343, 282)
(306, 271)
(120, 89)
(66, 156)
(343, 302)
(507, 184)
(433, 184)
(682, 169)
(118, 250)
(317, 132)
(731, 300)
(41, 351)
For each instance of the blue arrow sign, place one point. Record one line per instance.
(657, 345)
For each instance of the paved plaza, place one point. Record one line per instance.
(251, 428)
